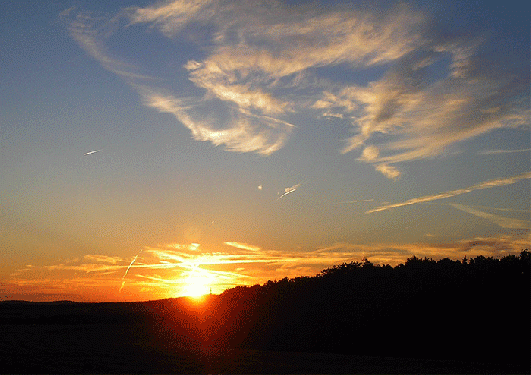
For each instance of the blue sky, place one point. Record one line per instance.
(219, 143)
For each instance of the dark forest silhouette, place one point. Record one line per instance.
(471, 315)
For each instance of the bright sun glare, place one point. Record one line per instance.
(197, 283)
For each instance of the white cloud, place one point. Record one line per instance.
(172, 16)
(369, 153)
(420, 118)
(242, 132)
(212, 78)
(260, 62)
(281, 40)
(388, 170)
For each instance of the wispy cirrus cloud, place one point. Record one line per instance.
(422, 120)
(103, 258)
(453, 193)
(256, 64)
(528, 211)
(356, 201)
(279, 40)
(395, 253)
(419, 113)
(502, 221)
(497, 152)
(238, 130)
(256, 58)
(91, 33)
(85, 267)
(243, 246)
(172, 16)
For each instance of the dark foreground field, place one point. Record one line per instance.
(422, 317)
(63, 338)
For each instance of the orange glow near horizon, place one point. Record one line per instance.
(193, 270)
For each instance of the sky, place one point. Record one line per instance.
(157, 149)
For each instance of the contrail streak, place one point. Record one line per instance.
(127, 270)
(289, 190)
(92, 152)
(494, 152)
(453, 193)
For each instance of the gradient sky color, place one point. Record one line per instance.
(153, 149)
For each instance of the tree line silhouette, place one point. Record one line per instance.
(474, 309)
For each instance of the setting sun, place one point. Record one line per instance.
(197, 283)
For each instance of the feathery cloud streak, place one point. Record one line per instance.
(497, 152)
(258, 63)
(502, 221)
(422, 118)
(395, 253)
(239, 131)
(453, 193)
